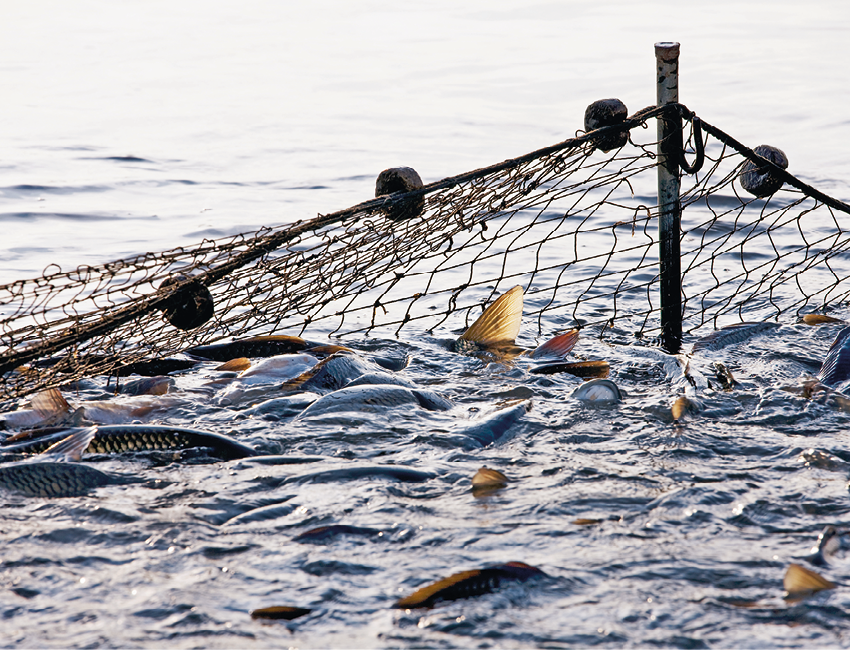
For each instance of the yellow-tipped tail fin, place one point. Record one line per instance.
(500, 322)
(800, 581)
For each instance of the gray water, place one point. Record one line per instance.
(130, 128)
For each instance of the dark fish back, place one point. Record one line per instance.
(113, 439)
(50, 479)
(467, 584)
(259, 346)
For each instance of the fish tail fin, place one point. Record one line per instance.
(558, 346)
(500, 322)
(800, 581)
(72, 447)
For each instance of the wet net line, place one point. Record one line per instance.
(574, 225)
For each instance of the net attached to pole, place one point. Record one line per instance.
(575, 226)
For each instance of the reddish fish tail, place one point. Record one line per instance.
(559, 346)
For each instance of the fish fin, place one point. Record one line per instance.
(235, 365)
(836, 365)
(558, 346)
(296, 341)
(426, 596)
(327, 350)
(487, 477)
(283, 612)
(680, 407)
(800, 581)
(500, 322)
(297, 382)
(72, 447)
(819, 319)
(49, 402)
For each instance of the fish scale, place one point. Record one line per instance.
(50, 479)
(127, 437)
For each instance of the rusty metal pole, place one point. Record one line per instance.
(669, 208)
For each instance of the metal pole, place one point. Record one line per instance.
(669, 209)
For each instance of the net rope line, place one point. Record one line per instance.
(586, 219)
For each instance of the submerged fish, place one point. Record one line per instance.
(374, 398)
(468, 583)
(324, 533)
(109, 439)
(494, 333)
(731, 334)
(396, 472)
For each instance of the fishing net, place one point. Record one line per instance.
(574, 225)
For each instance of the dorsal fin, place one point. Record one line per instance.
(49, 402)
(72, 447)
(500, 322)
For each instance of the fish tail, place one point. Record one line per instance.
(558, 346)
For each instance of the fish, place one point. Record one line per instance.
(829, 541)
(800, 582)
(257, 380)
(819, 319)
(583, 369)
(681, 407)
(256, 346)
(48, 408)
(493, 427)
(467, 584)
(731, 334)
(816, 458)
(110, 439)
(494, 332)
(157, 385)
(374, 398)
(835, 368)
(118, 368)
(396, 472)
(51, 475)
(598, 390)
(331, 374)
(487, 480)
(325, 533)
(280, 612)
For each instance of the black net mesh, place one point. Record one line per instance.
(574, 225)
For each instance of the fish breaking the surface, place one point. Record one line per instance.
(468, 583)
(494, 333)
(109, 439)
(52, 475)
